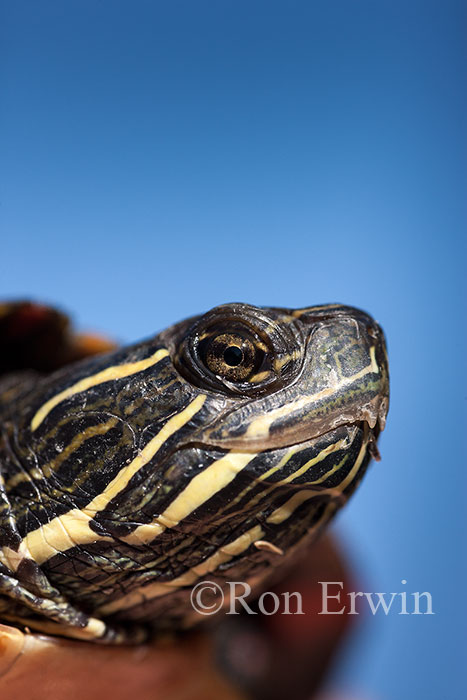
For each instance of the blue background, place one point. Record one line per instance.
(159, 158)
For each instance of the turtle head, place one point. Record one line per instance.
(219, 447)
(279, 377)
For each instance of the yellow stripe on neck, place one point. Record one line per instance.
(109, 374)
(73, 528)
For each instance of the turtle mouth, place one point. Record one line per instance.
(351, 427)
(371, 418)
(293, 423)
(300, 438)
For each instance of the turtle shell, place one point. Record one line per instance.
(38, 337)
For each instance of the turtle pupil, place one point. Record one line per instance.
(233, 356)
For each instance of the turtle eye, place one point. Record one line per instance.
(238, 350)
(232, 356)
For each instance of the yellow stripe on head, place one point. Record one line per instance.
(73, 528)
(289, 507)
(259, 427)
(202, 487)
(109, 374)
(157, 589)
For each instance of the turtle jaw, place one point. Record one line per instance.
(266, 434)
(299, 439)
(371, 429)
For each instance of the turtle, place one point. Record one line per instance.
(218, 450)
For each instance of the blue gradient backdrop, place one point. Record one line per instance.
(159, 158)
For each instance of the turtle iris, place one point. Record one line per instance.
(232, 356)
